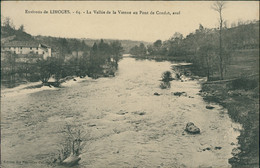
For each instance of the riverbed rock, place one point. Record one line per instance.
(208, 148)
(74, 79)
(140, 112)
(71, 160)
(191, 128)
(92, 125)
(121, 112)
(218, 147)
(209, 107)
(157, 94)
(180, 94)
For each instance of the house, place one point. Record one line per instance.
(27, 47)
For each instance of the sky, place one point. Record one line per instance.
(142, 27)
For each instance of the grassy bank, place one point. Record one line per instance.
(241, 98)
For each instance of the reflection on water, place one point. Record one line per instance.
(127, 125)
(165, 85)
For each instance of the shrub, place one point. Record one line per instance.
(245, 83)
(74, 140)
(167, 76)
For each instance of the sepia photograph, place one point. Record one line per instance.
(129, 84)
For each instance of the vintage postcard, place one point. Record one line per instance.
(110, 84)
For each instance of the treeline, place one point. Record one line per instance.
(202, 47)
(126, 44)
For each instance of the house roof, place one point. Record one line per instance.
(24, 44)
(44, 46)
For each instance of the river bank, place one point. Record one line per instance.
(242, 104)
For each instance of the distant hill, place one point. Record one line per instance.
(10, 34)
(126, 44)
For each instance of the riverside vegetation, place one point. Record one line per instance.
(70, 57)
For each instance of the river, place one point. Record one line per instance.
(108, 110)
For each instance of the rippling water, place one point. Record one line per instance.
(108, 109)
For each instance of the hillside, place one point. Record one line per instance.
(10, 34)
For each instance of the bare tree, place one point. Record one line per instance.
(219, 6)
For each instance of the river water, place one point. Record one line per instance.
(108, 110)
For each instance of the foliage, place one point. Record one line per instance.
(167, 76)
(73, 142)
(103, 55)
(138, 50)
(245, 83)
(116, 52)
(49, 67)
(202, 47)
(126, 44)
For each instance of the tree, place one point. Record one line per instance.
(104, 52)
(44, 70)
(116, 51)
(134, 50)
(157, 44)
(7, 22)
(49, 67)
(175, 45)
(8, 65)
(156, 48)
(138, 50)
(150, 49)
(178, 36)
(99, 56)
(142, 49)
(206, 52)
(21, 28)
(219, 6)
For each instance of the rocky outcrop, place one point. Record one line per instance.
(209, 107)
(191, 128)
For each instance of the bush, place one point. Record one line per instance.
(74, 140)
(167, 76)
(245, 83)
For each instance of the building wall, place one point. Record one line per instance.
(46, 52)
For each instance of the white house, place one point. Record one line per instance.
(25, 47)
